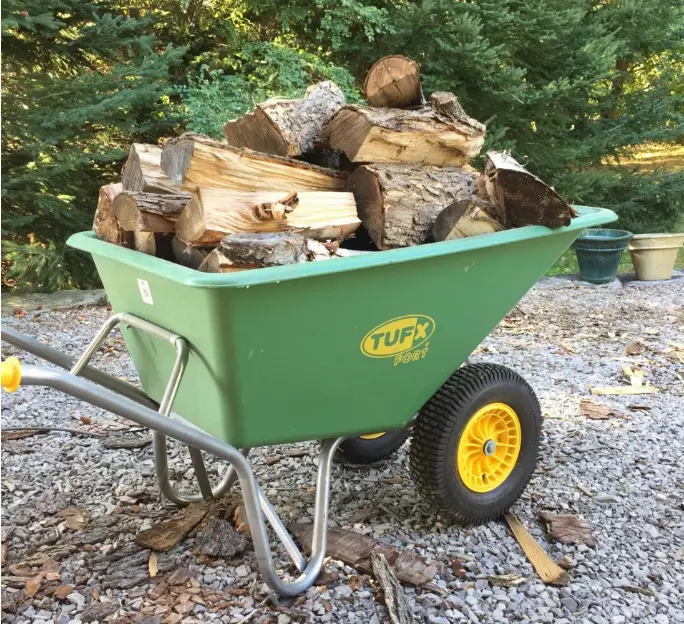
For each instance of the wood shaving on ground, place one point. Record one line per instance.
(547, 569)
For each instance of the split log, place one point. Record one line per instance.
(216, 262)
(394, 82)
(439, 134)
(152, 244)
(466, 217)
(142, 172)
(105, 223)
(211, 214)
(523, 197)
(398, 204)
(254, 250)
(239, 252)
(194, 161)
(286, 127)
(188, 255)
(149, 212)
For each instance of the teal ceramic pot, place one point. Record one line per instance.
(598, 253)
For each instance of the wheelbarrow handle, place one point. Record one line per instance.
(81, 367)
(193, 437)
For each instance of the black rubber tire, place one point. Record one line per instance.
(360, 451)
(438, 429)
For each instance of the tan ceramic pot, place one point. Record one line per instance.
(654, 255)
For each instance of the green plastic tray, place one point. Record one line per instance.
(333, 348)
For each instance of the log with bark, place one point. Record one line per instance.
(398, 204)
(286, 127)
(153, 244)
(193, 161)
(394, 82)
(240, 252)
(522, 196)
(188, 255)
(440, 134)
(252, 251)
(105, 224)
(149, 212)
(142, 172)
(211, 214)
(463, 218)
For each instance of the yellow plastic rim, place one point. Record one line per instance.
(373, 436)
(489, 447)
(11, 374)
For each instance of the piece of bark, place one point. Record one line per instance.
(635, 348)
(595, 411)
(218, 538)
(398, 204)
(546, 568)
(168, 533)
(395, 599)
(193, 161)
(149, 212)
(190, 256)
(463, 218)
(524, 198)
(75, 517)
(99, 611)
(153, 244)
(132, 569)
(355, 550)
(568, 528)
(142, 172)
(440, 134)
(413, 569)
(212, 214)
(105, 224)
(394, 82)
(286, 127)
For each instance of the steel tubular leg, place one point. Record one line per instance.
(167, 489)
(145, 417)
(279, 528)
(200, 473)
(159, 440)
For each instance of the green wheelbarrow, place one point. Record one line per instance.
(353, 351)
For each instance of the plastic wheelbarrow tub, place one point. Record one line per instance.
(329, 349)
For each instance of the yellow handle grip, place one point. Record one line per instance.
(11, 374)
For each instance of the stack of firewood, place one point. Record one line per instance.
(296, 178)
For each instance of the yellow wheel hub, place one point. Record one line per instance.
(489, 447)
(373, 436)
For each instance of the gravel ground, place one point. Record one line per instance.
(624, 475)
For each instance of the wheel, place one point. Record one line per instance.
(475, 442)
(368, 449)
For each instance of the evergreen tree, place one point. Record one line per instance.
(81, 81)
(570, 86)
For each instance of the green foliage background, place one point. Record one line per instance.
(567, 85)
